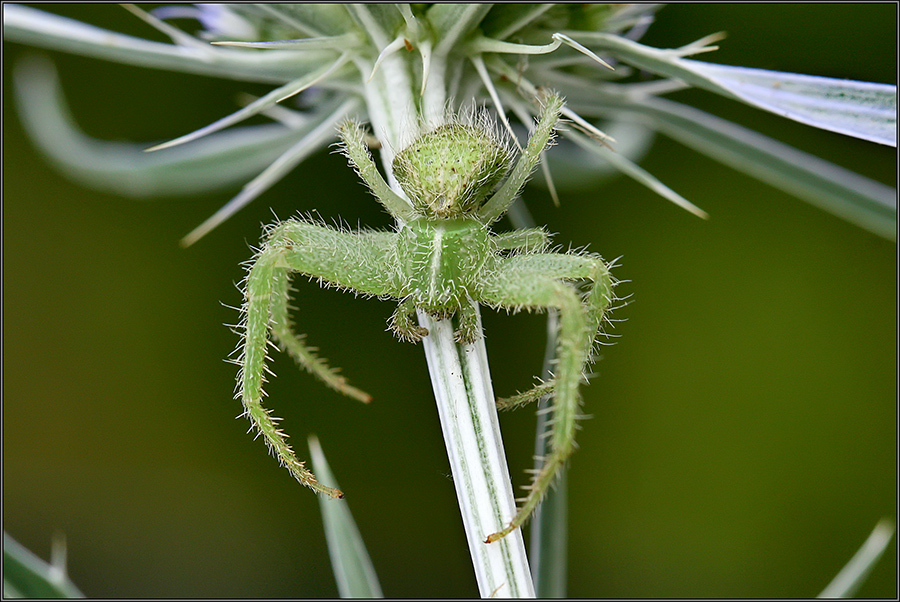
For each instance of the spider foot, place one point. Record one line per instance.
(501, 534)
(404, 325)
(520, 399)
(465, 336)
(467, 331)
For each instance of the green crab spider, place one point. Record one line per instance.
(442, 258)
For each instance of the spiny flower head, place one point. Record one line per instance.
(399, 66)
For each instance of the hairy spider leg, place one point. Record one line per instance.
(318, 252)
(403, 322)
(289, 341)
(354, 147)
(538, 282)
(526, 240)
(597, 301)
(540, 138)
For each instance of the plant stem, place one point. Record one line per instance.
(462, 388)
(459, 373)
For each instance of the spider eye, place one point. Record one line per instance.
(449, 171)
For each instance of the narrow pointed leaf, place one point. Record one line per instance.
(860, 200)
(386, 52)
(177, 36)
(260, 104)
(587, 126)
(864, 202)
(484, 44)
(550, 525)
(580, 48)
(574, 168)
(478, 62)
(220, 161)
(314, 140)
(860, 109)
(27, 25)
(550, 541)
(639, 174)
(851, 577)
(27, 576)
(350, 561)
(341, 42)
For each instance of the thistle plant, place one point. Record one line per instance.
(418, 75)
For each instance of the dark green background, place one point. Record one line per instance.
(743, 440)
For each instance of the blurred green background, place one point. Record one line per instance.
(743, 440)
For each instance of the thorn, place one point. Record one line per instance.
(388, 50)
(566, 39)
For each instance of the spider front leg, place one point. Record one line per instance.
(542, 136)
(538, 281)
(355, 261)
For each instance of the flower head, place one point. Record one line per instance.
(402, 66)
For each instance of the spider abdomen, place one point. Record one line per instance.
(448, 171)
(440, 260)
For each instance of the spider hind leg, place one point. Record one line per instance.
(295, 345)
(580, 317)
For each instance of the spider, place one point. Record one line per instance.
(442, 258)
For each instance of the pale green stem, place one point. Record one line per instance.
(459, 373)
(462, 388)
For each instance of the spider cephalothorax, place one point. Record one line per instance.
(460, 179)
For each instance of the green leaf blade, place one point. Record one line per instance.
(637, 173)
(859, 109)
(859, 200)
(27, 576)
(220, 161)
(26, 25)
(350, 561)
(851, 577)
